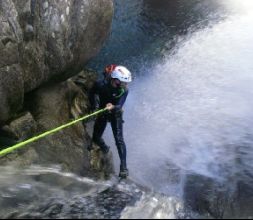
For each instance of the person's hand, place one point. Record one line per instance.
(109, 106)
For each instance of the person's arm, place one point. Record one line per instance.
(121, 101)
(118, 106)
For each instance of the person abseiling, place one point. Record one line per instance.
(112, 94)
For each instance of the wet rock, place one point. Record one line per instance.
(108, 204)
(20, 129)
(85, 79)
(7, 137)
(53, 106)
(11, 90)
(42, 41)
(50, 107)
(207, 196)
(48, 196)
(24, 127)
(243, 199)
(101, 163)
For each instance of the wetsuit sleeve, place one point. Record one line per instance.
(93, 96)
(121, 101)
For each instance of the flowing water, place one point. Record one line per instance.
(189, 114)
(188, 120)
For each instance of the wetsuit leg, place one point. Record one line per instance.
(99, 129)
(117, 128)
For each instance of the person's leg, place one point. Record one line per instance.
(117, 128)
(99, 129)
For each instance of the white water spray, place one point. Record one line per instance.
(194, 110)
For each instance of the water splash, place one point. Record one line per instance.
(155, 207)
(194, 110)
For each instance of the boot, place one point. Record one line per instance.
(124, 173)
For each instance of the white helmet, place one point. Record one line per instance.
(122, 74)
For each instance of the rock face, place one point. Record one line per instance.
(219, 199)
(42, 41)
(50, 107)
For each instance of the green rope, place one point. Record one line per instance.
(122, 91)
(22, 144)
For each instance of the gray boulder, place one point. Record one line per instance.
(46, 40)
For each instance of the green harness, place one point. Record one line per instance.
(122, 91)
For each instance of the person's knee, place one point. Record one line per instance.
(118, 135)
(120, 141)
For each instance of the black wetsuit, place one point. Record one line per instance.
(117, 96)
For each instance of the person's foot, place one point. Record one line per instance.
(123, 174)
